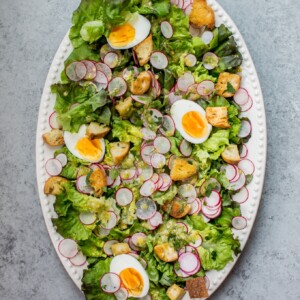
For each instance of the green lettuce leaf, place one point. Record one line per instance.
(216, 141)
(92, 247)
(126, 132)
(162, 197)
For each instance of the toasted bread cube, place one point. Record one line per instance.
(176, 208)
(202, 14)
(166, 252)
(54, 138)
(143, 50)
(197, 287)
(97, 131)
(224, 78)
(97, 181)
(120, 248)
(231, 154)
(181, 169)
(175, 292)
(141, 84)
(124, 107)
(217, 116)
(53, 185)
(119, 150)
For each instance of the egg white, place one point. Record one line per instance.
(142, 28)
(179, 109)
(124, 261)
(71, 140)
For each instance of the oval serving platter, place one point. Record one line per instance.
(257, 148)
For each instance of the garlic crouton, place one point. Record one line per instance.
(166, 252)
(97, 131)
(53, 185)
(54, 138)
(141, 84)
(231, 154)
(181, 169)
(97, 181)
(175, 292)
(197, 287)
(222, 84)
(118, 151)
(176, 208)
(124, 108)
(202, 14)
(120, 248)
(143, 50)
(217, 117)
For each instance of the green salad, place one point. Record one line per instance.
(152, 165)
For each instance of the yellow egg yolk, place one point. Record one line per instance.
(122, 35)
(194, 124)
(90, 149)
(132, 281)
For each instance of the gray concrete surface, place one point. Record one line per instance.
(30, 32)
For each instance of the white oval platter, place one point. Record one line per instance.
(257, 147)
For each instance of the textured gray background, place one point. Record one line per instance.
(30, 32)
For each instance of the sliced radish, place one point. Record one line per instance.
(117, 182)
(111, 59)
(185, 81)
(166, 29)
(211, 213)
(158, 160)
(185, 148)
(210, 60)
(186, 3)
(239, 222)
(78, 260)
(102, 232)
(121, 294)
(190, 60)
(241, 196)
(128, 73)
(104, 69)
(195, 31)
(76, 71)
(210, 181)
(183, 225)
(213, 200)
(104, 50)
(244, 151)
(188, 9)
(146, 154)
(205, 88)
(159, 60)
(87, 218)
(62, 158)
(173, 97)
(171, 160)
(207, 282)
(168, 126)
(155, 116)
(110, 283)
(107, 247)
(135, 239)
(112, 221)
(139, 99)
(101, 80)
(53, 122)
(148, 134)
(247, 106)
(155, 178)
(68, 248)
(207, 37)
(90, 70)
(117, 87)
(124, 196)
(128, 173)
(245, 129)
(198, 242)
(109, 179)
(126, 240)
(247, 166)
(238, 184)
(162, 145)
(189, 263)
(196, 207)
(180, 3)
(156, 220)
(148, 188)
(53, 167)
(146, 173)
(230, 171)
(180, 273)
(188, 249)
(187, 191)
(145, 208)
(167, 181)
(82, 186)
(241, 96)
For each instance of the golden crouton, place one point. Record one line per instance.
(53, 185)
(202, 14)
(97, 131)
(222, 84)
(166, 252)
(217, 117)
(54, 138)
(181, 169)
(176, 208)
(197, 287)
(120, 248)
(124, 108)
(141, 84)
(175, 292)
(143, 50)
(97, 181)
(231, 154)
(118, 151)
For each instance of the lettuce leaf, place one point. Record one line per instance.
(93, 247)
(216, 141)
(126, 132)
(162, 197)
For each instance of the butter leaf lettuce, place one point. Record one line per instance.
(162, 197)
(92, 247)
(158, 8)
(126, 132)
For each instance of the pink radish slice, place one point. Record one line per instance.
(237, 176)
(205, 219)
(207, 282)
(146, 173)
(198, 242)
(190, 60)
(150, 226)
(245, 129)
(107, 247)
(247, 166)
(205, 88)
(244, 151)
(159, 183)
(76, 71)
(104, 69)
(210, 181)
(156, 220)
(186, 3)
(188, 9)
(136, 237)
(87, 218)
(195, 31)
(180, 3)
(121, 294)
(188, 249)
(183, 225)
(173, 97)
(139, 99)
(158, 160)
(210, 60)
(110, 283)
(145, 208)
(68, 248)
(155, 116)
(171, 160)
(111, 59)
(185, 81)
(155, 178)
(104, 50)
(185, 148)
(242, 196)
(124, 196)
(126, 240)
(62, 158)
(135, 58)
(148, 134)
(237, 185)
(211, 214)
(207, 37)
(112, 222)
(53, 167)
(128, 174)
(82, 185)
(101, 80)
(109, 180)
(90, 70)
(78, 260)
(132, 246)
(148, 188)
(247, 106)
(159, 60)
(239, 222)
(168, 126)
(167, 181)
(117, 182)
(241, 96)
(196, 207)
(188, 262)
(103, 232)
(166, 29)
(213, 201)
(128, 73)
(162, 145)
(187, 191)
(117, 87)
(53, 122)
(146, 154)
(180, 273)
(230, 171)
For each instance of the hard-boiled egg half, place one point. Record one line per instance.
(80, 145)
(190, 120)
(133, 276)
(129, 34)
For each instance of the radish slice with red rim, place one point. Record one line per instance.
(195, 31)
(214, 183)
(239, 222)
(185, 81)
(147, 188)
(207, 282)
(140, 99)
(101, 80)
(237, 185)
(146, 154)
(145, 208)
(180, 273)
(207, 37)
(245, 129)
(158, 160)
(117, 182)
(196, 207)
(213, 200)
(247, 106)
(211, 213)
(198, 242)
(159, 60)
(82, 185)
(230, 171)
(188, 249)
(173, 97)
(186, 3)
(162, 144)
(187, 191)
(68, 248)
(78, 260)
(185, 148)
(124, 196)
(87, 218)
(171, 160)
(126, 240)
(111, 59)
(129, 72)
(241, 96)
(237, 176)
(104, 69)
(190, 60)
(62, 158)
(104, 50)
(188, 9)
(244, 151)
(148, 134)
(111, 222)
(117, 87)
(90, 70)
(107, 247)
(135, 239)
(155, 178)
(159, 183)
(53, 167)
(241, 196)
(168, 126)
(110, 283)
(102, 232)
(128, 173)
(156, 220)
(189, 263)
(166, 29)
(155, 116)
(146, 173)
(121, 294)
(53, 121)
(183, 225)
(247, 166)
(76, 71)
(167, 181)
(210, 60)
(205, 88)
